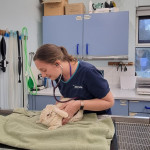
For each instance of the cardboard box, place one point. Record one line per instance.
(74, 8)
(55, 8)
(50, 1)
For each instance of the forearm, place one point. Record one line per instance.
(99, 104)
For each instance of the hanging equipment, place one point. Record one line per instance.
(4, 62)
(19, 57)
(30, 80)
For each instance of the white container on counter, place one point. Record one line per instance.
(127, 82)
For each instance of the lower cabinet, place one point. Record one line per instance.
(120, 108)
(139, 108)
(131, 108)
(39, 102)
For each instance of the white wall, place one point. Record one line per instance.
(15, 14)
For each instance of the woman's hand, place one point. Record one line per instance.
(71, 108)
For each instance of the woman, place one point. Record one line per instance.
(79, 80)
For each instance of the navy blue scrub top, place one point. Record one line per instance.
(86, 83)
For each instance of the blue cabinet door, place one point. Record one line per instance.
(43, 100)
(31, 102)
(120, 108)
(139, 106)
(39, 102)
(106, 34)
(64, 31)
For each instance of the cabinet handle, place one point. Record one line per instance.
(134, 101)
(146, 107)
(77, 49)
(87, 49)
(123, 104)
(78, 17)
(87, 17)
(132, 114)
(123, 101)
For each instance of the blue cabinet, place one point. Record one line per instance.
(139, 108)
(89, 36)
(120, 108)
(131, 108)
(106, 34)
(39, 102)
(64, 31)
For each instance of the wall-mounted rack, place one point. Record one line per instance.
(2, 32)
(120, 63)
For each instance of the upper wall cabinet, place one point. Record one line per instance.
(93, 36)
(64, 31)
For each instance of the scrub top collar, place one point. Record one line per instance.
(72, 75)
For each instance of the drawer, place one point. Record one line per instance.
(120, 108)
(139, 106)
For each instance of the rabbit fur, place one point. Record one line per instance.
(52, 116)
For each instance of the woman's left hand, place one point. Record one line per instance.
(71, 108)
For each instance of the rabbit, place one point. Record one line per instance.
(52, 116)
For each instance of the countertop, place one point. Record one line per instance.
(116, 91)
(49, 91)
(128, 94)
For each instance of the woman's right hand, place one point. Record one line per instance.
(71, 108)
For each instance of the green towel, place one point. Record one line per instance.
(21, 130)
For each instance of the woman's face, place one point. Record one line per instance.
(48, 70)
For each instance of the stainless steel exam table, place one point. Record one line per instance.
(131, 133)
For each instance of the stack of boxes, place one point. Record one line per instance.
(61, 7)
